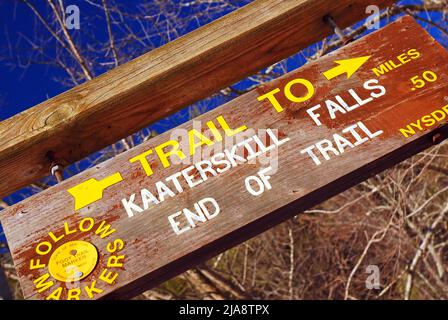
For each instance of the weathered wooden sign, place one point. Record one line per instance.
(154, 211)
(162, 81)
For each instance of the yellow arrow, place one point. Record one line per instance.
(92, 190)
(349, 66)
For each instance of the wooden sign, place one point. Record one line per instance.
(154, 211)
(162, 81)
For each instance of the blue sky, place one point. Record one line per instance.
(23, 85)
(17, 28)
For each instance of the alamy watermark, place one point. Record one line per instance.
(373, 21)
(373, 280)
(254, 146)
(72, 17)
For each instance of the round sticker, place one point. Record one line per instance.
(73, 261)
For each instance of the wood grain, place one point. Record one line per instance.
(98, 113)
(154, 253)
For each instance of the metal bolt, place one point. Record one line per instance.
(56, 169)
(438, 138)
(330, 21)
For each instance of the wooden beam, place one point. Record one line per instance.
(355, 127)
(100, 112)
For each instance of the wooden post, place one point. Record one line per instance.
(5, 293)
(142, 217)
(100, 112)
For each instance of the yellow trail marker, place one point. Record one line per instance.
(73, 261)
(349, 66)
(92, 190)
